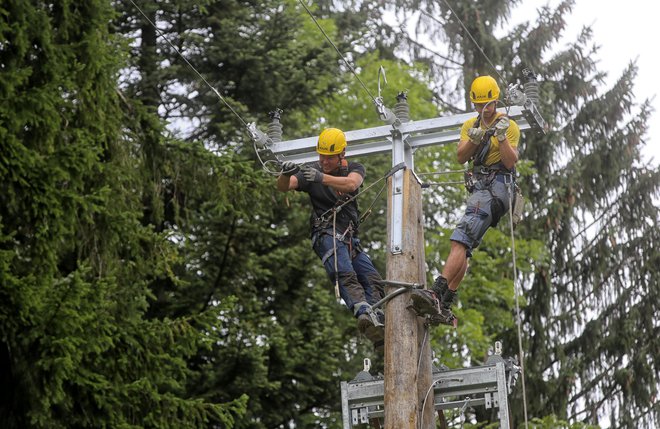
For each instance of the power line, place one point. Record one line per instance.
(469, 35)
(338, 52)
(255, 133)
(160, 33)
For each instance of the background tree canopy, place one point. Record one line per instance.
(151, 276)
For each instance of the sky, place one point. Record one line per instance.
(625, 32)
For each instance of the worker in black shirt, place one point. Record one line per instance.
(331, 183)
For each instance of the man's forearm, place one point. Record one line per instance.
(508, 154)
(465, 151)
(341, 184)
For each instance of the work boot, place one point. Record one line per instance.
(445, 316)
(440, 286)
(435, 303)
(428, 301)
(425, 302)
(369, 326)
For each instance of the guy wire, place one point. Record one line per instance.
(469, 35)
(160, 33)
(338, 51)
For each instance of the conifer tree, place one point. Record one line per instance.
(75, 261)
(589, 337)
(210, 195)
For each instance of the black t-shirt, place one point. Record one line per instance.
(324, 198)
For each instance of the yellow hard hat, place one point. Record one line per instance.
(332, 141)
(484, 89)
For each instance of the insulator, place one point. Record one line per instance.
(260, 139)
(386, 115)
(274, 130)
(531, 86)
(402, 108)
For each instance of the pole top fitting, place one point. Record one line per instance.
(275, 114)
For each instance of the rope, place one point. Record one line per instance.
(335, 210)
(338, 52)
(334, 251)
(419, 361)
(277, 172)
(421, 422)
(516, 293)
(367, 212)
(394, 169)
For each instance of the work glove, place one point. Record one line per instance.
(312, 175)
(290, 168)
(475, 135)
(501, 126)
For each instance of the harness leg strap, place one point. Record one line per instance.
(327, 255)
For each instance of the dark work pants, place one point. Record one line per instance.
(359, 281)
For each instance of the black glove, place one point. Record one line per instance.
(290, 168)
(313, 175)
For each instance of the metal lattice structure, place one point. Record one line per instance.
(487, 386)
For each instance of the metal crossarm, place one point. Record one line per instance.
(401, 140)
(370, 141)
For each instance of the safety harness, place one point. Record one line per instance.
(327, 222)
(487, 174)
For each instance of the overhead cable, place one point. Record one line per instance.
(348, 64)
(469, 35)
(160, 33)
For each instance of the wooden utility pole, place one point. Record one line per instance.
(407, 349)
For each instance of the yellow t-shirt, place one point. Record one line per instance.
(512, 134)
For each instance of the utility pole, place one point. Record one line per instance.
(406, 344)
(408, 368)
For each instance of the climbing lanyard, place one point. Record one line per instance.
(516, 293)
(336, 209)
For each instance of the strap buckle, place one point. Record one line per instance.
(508, 178)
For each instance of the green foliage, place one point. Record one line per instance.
(552, 422)
(236, 238)
(588, 270)
(77, 349)
(352, 107)
(151, 276)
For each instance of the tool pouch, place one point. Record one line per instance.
(518, 206)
